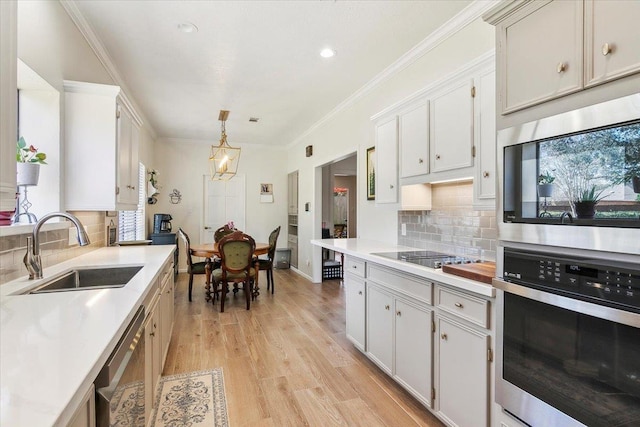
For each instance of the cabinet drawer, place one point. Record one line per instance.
(412, 286)
(473, 309)
(355, 266)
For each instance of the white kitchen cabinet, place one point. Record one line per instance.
(166, 310)
(386, 166)
(414, 140)
(85, 415)
(612, 40)
(484, 186)
(101, 148)
(355, 309)
(463, 358)
(451, 127)
(380, 327)
(413, 348)
(8, 103)
(153, 356)
(292, 193)
(540, 53)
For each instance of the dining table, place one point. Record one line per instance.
(210, 250)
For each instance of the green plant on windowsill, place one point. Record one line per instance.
(28, 154)
(591, 194)
(546, 178)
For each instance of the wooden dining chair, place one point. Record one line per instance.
(192, 267)
(267, 264)
(238, 266)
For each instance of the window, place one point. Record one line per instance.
(131, 224)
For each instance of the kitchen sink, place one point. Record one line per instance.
(88, 278)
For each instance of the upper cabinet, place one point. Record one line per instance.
(451, 127)
(414, 140)
(101, 133)
(386, 172)
(8, 106)
(484, 186)
(292, 193)
(551, 48)
(612, 40)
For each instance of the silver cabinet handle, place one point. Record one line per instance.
(359, 292)
(458, 304)
(398, 313)
(420, 161)
(606, 49)
(391, 186)
(386, 307)
(562, 67)
(444, 336)
(437, 156)
(485, 174)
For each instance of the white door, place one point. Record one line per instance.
(224, 201)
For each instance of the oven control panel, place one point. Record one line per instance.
(614, 282)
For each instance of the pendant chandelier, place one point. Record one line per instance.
(224, 159)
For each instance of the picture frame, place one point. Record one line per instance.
(371, 173)
(266, 193)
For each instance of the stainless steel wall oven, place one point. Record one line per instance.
(573, 180)
(568, 340)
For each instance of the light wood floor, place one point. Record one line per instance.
(287, 362)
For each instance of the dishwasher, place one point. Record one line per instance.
(120, 385)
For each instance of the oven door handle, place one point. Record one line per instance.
(600, 311)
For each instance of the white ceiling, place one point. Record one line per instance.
(254, 58)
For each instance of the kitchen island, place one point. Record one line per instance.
(53, 345)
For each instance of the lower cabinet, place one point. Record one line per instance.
(399, 339)
(462, 374)
(355, 309)
(85, 415)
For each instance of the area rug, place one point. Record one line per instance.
(194, 399)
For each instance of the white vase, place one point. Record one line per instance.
(28, 173)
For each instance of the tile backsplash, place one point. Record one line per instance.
(54, 246)
(452, 225)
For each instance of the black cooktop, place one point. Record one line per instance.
(429, 259)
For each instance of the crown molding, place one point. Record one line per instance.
(105, 59)
(215, 142)
(446, 30)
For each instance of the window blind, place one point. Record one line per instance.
(131, 224)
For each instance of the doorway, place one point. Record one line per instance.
(340, 198)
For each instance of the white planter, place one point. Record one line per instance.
(28, 173)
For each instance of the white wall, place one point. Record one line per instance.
(182, 165)
(352, 130)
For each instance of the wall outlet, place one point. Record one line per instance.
(403, 229)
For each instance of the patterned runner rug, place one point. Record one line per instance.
(193, 399)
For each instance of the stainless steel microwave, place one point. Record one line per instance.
(573, 179)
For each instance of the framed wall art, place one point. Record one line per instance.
(371, 173)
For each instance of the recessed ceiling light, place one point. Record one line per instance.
(187, 27)
(327, 52)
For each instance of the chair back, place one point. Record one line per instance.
(236, 252)
(187, 246)
(221, 232)
(273, 238)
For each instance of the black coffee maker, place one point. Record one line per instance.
(162, 223)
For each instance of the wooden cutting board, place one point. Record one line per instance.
(479, 271)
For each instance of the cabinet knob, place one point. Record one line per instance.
(606, 49)
(458, 304)
(437, 156)
(485, 174)
(420, 161)
(398, 313)
(444, 336)
(359, 292)
(387, 307)
(207, 228)
(133, 187)
(152, 334)
(391, 186)
(562, 67)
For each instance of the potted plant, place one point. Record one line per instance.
(545, 184)
(29, 161)
(588, 198)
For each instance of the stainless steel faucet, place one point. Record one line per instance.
(564, 215)
(32, 258)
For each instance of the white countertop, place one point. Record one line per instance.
(53, 345)
(364, 249)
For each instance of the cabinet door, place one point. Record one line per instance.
(462, 374)
(386, 167)
(413, 349)
(451, 127)
(380, 328)
(127, 145)
(166, 313)
(153, 363)
(540, 50)
(414, 141)
(612, 39)
(8, 104)
(484, 187)
(85, 415)
(355, 310)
